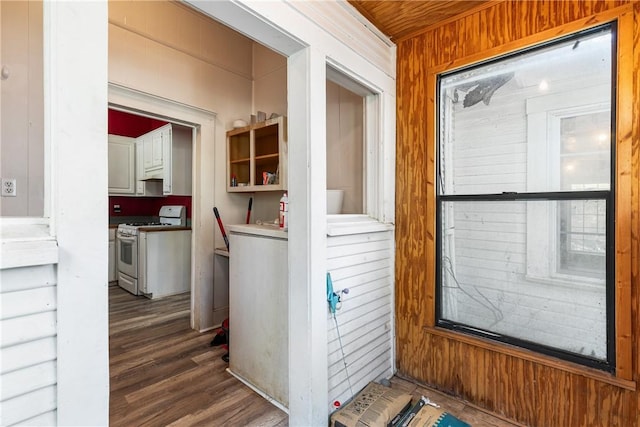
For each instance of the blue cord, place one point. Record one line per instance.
(333, 298)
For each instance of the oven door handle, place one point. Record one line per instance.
(126, 238)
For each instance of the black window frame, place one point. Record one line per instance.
(609, 364)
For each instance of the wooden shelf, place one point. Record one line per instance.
(268, 156)
(240, 160)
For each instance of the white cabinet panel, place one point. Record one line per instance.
(122, 172)
(165, 265)
(144, 188)
(157, 140)
(113, 274)
(140, 187)
(154, 151)
(164, 162)
(147, 153)
(166, 144)
(258, 307)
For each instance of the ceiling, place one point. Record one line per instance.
(399, 18)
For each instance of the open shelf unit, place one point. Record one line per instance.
(255, 150)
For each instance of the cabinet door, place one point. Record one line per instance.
(113, 266)
(113, 274)
(147, 151)
(139, 167)
(239, 159)
(167, 147)
(121, 165)
(152, 143)
(257, 319)
(157, 150)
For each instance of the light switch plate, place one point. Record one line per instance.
(8, 187)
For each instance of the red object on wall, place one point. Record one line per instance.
(125, 124)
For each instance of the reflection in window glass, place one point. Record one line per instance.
(585, 165)
(525, 201)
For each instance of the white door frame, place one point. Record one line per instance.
(203, 121)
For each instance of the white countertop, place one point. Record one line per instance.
(259, 230)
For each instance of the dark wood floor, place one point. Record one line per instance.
(163, 373)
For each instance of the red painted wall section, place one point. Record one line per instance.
(146, 206)
(125, 124)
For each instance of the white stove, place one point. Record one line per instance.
(169, 216)
(138, 255)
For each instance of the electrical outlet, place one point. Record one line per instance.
(8, 187)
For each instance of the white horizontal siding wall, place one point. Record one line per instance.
(28, 346)
(363, 264)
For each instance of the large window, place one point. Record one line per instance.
(525, 201)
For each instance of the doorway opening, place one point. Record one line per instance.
(201, 125)
(150, 178)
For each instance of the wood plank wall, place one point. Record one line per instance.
(531, 389)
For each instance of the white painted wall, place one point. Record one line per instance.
(269, 81)
(270, 96)
(21, 103)
(363, 264)
(76, 125)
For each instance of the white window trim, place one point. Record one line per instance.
(544, 114)
(373, 180)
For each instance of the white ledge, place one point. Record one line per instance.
(342, 225)
(264, 230)
(26, 242)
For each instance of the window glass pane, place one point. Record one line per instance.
(538, 121)
(582, 237)
(490, 282)
(585, 153)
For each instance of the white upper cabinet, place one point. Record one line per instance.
(155, 164)
(164, 161)
(122, 172)
(157, 145)
(144, 188)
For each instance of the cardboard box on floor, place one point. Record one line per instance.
(375, 405)
(380, 406)
(430, 416)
